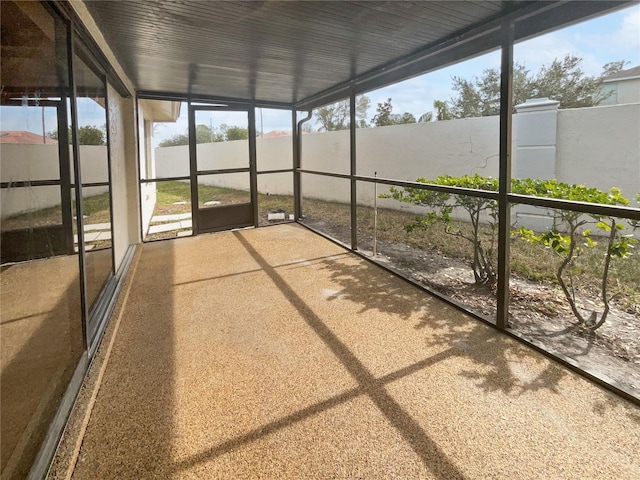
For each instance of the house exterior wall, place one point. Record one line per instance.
(125, 204)
(629, 91)
(147, 167)
(619, 92)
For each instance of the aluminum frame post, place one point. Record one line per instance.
(352, 169)
(504, 210)
(297, 203)
(253, 167)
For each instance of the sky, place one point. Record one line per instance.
(612, 37)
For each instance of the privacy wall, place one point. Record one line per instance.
(597, 146)
(21, 162)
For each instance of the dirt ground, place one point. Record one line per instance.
(538, 311)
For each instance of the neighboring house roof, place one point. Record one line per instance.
(627, 74)
(20, 136)
(278, 133)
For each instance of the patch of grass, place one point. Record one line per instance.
(226, 196)
(271, 203)
(171, 192)
(38, 218)
(96, 209)
(532, 261)
(168, 193)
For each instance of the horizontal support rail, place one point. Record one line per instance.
(590, 208)
(431, 186)
(177, 97)
(47, 183)
(94, 184)
(284, 170)
(346, 176)
(409, 184)
(167, 179)
(223, 171)
(30, 183)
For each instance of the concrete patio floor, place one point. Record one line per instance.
(273, 353)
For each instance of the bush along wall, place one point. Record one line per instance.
(572, 236)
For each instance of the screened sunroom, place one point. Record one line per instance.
(320, 239)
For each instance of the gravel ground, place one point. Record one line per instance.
(273, 353)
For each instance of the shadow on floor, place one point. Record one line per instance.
(132, 426)
(488, 350)
(426, 449)
(139, 429)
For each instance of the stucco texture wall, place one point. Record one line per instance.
(124, 201)
(594, 146)
(23, 162)
(600, 147)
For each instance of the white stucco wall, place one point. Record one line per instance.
(406, 152)
(21, 200)
(128, 109)
(271, 154)
(326, 152)
(174, 161)
(119, 189)
(403, 152)
(22, 162)
(147, 167)
(274, 153)
(597, 146)
(600, 147)
(583, 153)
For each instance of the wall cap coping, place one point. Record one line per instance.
(537, 105)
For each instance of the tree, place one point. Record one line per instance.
(179, 139)
(562, 80)
(87, 135)
(442, 205)
(233, 132)
(442, 110)
(337, 116)
(384, 116)
(481, 97)
(405, 118)
(205, 134)
(573, 239)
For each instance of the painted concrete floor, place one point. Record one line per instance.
(273, 353)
